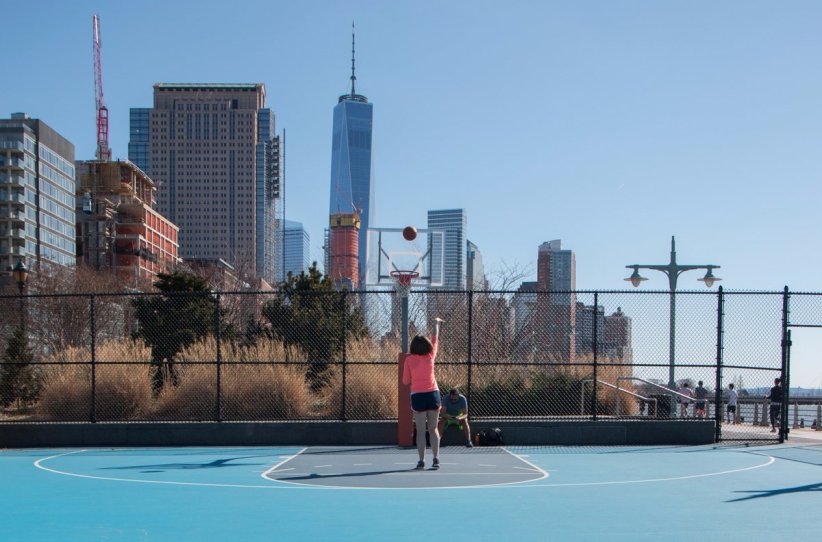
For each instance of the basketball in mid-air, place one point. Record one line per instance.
(410, 233)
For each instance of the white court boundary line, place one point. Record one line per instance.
(39, 464)
(534, 468)
(281, 463)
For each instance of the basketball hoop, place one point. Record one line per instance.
(404, 279)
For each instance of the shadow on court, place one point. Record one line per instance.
(315, 476)
(777, 492)
(216, 464)
(393, 468)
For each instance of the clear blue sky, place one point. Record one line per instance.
(611, 125)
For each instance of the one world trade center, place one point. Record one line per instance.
(352, 191)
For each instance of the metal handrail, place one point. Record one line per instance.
(608, 384)
(663, 388)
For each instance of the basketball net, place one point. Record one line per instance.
(403, 281)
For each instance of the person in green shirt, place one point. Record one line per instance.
(455, 412)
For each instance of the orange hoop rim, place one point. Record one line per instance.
(404, 278)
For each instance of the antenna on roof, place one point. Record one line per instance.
(353, 77)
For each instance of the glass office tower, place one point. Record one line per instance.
(352, 188)
(295, 246)
(139, 146)
(37, 190)
(453, 221)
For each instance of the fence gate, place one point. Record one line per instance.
(803, 326)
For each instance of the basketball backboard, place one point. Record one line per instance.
(387, 250)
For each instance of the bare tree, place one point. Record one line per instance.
(507, 277)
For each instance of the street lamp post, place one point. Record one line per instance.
(672, 270)
(21, 276)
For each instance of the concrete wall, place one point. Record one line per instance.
(344, 433)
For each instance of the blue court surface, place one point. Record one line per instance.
(372, 493)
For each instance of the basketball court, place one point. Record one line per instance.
(373, 493)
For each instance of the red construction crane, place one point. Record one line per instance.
(103, 151)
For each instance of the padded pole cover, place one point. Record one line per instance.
(405, 421)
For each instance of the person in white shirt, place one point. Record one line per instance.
(733, 398)
(684, 402)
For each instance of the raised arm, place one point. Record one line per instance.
(435, 338)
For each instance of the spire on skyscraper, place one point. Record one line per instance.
(353, 96)
(353, 77)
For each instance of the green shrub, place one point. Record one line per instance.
(19, 378)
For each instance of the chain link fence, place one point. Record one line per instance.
(247, 356)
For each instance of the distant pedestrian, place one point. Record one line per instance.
(775, 397)
(733, 399)
(686, 394)
(701, 406)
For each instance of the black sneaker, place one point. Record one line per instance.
(420, 465)
(436, 464)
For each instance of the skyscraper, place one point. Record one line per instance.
(475, 270)
(589, 318)
(37, 183)
(212, 151)
(295, 250)
(556, 271)
(352, 189)
(453, 222)
(525, 331)
(556, 302)
(618, 338)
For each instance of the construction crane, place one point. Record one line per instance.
(103, 150)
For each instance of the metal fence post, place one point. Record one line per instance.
(720, 334)
(344, 304)
(218, 407)
(594, 397)
(786, 354)
(470, 346)
(93, 330)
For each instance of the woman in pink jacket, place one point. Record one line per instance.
(425, 394)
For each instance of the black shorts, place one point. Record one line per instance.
(426, 400)
(732, 408)
(700, 405)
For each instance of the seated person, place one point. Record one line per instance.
(455, 412)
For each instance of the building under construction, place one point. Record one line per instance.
(117, 227)
(343, 246)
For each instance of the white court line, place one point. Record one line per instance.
(521, 458)
(670, 479)
(278, 471)
(39, 465)
(285, 459)
(426, 472)
(290, 485)
(441, 472)
(535, 468)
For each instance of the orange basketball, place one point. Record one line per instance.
(410, 233)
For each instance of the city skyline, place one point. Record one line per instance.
(631, 124)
